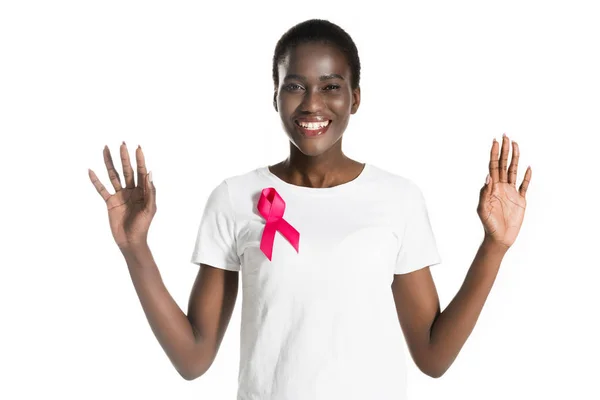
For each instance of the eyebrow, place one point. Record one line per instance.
(321, 78)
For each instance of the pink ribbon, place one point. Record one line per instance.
(271, 206)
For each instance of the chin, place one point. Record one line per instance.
(312, 148)
(311, 152)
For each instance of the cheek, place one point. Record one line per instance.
(340, 104)
(288, 105)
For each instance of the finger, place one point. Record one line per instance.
(112, 172)
(504, 158)
(99, 186)
(514, 164)
(149, 193)
(127, 169)
(141, 166)
(494, 161)
(525, 184)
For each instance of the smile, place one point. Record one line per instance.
(312, 129)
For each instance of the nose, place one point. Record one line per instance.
(312, 102)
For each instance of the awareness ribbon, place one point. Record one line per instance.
(271, 206)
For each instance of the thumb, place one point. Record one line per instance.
(487, 188)
(149, 192)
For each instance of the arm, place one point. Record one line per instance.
(435, 338)
(191, 342)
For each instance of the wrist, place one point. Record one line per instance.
(493, 245)
(134, 248)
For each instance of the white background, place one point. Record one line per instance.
(192, 84)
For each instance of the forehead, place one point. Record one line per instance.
(314, 60)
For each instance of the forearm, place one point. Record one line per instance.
(452, 327)
(170, 325)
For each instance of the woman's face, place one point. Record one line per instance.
(314, 98)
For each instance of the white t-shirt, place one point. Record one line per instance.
(320, 323)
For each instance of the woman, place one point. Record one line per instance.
(319, 239)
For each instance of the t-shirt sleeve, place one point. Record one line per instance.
(216, 239)
(418, 248)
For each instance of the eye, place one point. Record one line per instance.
(292, 87)
(332, 87)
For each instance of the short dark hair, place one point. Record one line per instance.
(320, 31)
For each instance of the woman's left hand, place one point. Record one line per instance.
(501, 206)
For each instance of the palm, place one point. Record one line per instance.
(126, 214)
(130, 208)
(501, 206)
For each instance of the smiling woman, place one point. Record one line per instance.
(316, 250)
(316, 76)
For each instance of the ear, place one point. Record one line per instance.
(355, 100)
(275, 100)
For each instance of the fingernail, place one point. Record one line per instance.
(504, 134)
(139, 147)
(487, 179)
(123, 142)
(494, 140)
(150, 176)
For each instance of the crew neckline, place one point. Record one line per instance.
(310, 190)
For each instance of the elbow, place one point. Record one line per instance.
(433, 370)
(193, 370)
(187, 371)
(196, 362)
(188, 376)
(433, 364)
(436, 373)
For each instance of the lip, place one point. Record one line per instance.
(312, 119)
(312, 133)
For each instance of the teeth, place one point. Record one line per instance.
(313, 125)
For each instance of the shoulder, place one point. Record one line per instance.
(403, 199)
(236, 192)
(244, 183)
(241, 181)
(394, 183)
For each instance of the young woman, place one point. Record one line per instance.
(319, 239)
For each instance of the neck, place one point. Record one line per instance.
(321, 165)
(325, 170)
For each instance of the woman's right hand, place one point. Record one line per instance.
(130, 208)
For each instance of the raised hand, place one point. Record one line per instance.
(130, 208)
(501, 206)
